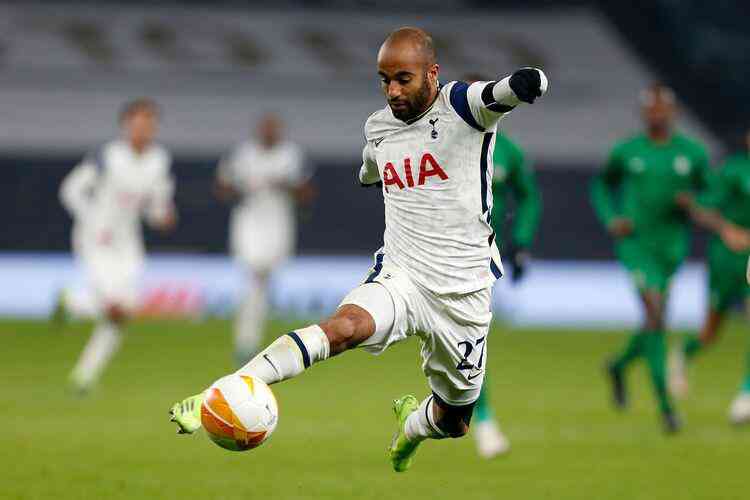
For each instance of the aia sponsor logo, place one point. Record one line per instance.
(428, 167)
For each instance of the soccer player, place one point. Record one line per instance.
(107, 194)
(266, 176)
(635, 197)
(430, 148)
(725, 210)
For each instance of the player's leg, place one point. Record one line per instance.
(726, 282)
(490, 440)
(691, 347)
(726, 285)
(639, 266)
(453, 354)
(104, 342)
(655, 352)
(113, 277)
(292, 353)
(251, 318)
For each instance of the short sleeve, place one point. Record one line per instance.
(368, 172)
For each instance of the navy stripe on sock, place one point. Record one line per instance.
(301, 345)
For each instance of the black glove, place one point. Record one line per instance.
(518, 258)
(526, 83)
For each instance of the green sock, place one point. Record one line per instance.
(633, 349)
(655, 350)
(692, 346)
(483, 409)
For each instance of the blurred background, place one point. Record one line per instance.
(215, 68)
(66, 67)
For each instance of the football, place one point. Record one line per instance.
(239, 412)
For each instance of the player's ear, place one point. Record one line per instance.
(432, 73)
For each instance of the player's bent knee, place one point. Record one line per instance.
(346, 329)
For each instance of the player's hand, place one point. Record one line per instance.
(518, 257)
(735, 238)
(167, 223)
(684, 200)
(619, 227)
(224, 192)
(528, 84)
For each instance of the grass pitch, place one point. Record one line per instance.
(336, 421)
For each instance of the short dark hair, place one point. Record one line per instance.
(417, 36)
(138, 104)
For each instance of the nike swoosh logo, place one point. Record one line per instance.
(472, 377)
(378, 141)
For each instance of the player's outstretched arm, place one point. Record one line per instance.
(490, 101)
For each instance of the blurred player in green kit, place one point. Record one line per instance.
(513, 179)
(635, 196)
(725, 210)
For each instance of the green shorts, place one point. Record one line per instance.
(726, 276)
(651, 266)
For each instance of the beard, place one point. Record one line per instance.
(414, 105)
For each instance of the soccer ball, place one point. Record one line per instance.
(239, 412)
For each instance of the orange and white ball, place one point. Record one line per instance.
(239, 412)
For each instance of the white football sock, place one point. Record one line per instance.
(100, 348)
(420, 425)
(250, 321)
(289, 355)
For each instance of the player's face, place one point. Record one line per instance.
(269, 131)
(659, 114)
(409, 85)
(141, 127)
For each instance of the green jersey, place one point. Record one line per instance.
(512, 177)
(641, 180)
(729, 193)
(729, 190)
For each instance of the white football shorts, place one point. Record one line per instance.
(453, 328)
(112, 271)
(260, 240)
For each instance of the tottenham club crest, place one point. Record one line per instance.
(434, 132)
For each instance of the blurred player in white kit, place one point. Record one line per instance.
(107, 194)
(266, 177)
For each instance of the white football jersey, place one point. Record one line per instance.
(110, 191)
(259, 174)
(436, 172)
